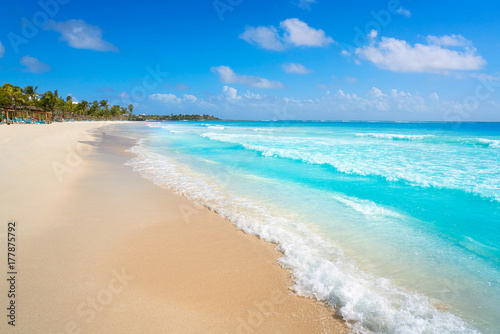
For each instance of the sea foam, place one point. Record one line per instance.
(368, 303)
(393, 136)
(418, 169)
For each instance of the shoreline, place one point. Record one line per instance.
(109, 251)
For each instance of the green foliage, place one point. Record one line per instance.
(13, 96)
(63, 109)
(172, 117)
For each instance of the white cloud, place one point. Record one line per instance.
(252, 96)
(266, 37)
(296, 68)
(377, 101)
(33, 65)
(80, 35)
(299, 102)
(165, 98)
(395, 93)
(2, 50)
(231, 93)
(227, 75)
(486, 77)
(399, 56)
(434, 96)
(449, 40)
(375, 92)
(375, 104)
(298, 33)
(295, 33)
(351, 79)
(73, 99)
(124, 96)
(304, 4)
(404, 12)
(189, 97)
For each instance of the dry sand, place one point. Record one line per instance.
(102, 250)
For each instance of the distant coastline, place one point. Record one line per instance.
(173, 117)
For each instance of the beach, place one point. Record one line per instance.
(100, 249)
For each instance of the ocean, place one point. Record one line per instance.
(395, 225)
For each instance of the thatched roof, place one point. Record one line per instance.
(30, 108)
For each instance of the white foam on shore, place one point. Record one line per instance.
(216, 127)
(419, 173)
(368, 303)
(365, 207)
(489, 142)
(393, 136)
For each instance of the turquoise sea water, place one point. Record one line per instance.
(396, 225)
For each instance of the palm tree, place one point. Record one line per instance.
(81, 109)
(14, 95)
(130, 109)
(48, 101)
(104, 107)
(69, 105)
(94, 109)
(31, 94)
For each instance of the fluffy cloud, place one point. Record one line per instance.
(165, 98)
(189, 98)
(80, 35)
(404, 12)
(227, 75)
(2, 50)
(173, 99)
(231, 93)
(375, 104)
(252, 96)
(449, 40)
(124, 96)
(375, 92)
(298, 33)
(33, 65)
(296, 68)
(266, 37)
(295, 33)
(399, 56)
(486, 77)
(377, 101)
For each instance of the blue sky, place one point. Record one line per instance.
(250, 59)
